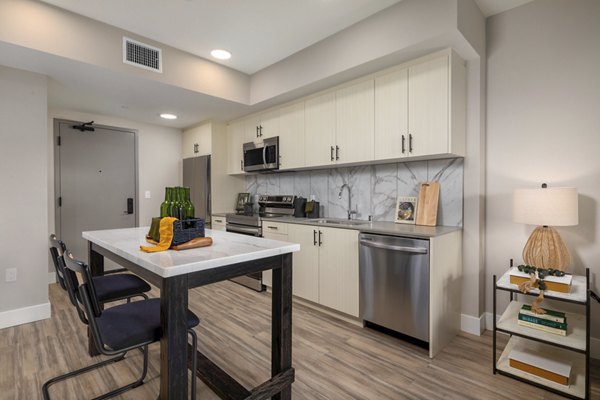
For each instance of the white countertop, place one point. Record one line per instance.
(227, 248)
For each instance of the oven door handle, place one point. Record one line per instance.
(241, 229)
(418, 250)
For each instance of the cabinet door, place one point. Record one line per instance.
(428, 107)
(218, 223)
(291, 136)
(391, 115)
(267, 276)
(355, 128)
(251, 129)
(338, 270)
(235, 141)
(269, 124)
(306, 262)
(319, 114)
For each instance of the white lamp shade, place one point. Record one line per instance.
(546, 206)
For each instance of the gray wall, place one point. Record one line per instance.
(374, 188)
(544, 126)
(24, 195)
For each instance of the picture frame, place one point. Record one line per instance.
(242, 199)
(406, 210)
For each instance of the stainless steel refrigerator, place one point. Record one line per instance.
(196, 176)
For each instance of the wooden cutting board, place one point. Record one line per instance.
(429, 195)
(194, 243)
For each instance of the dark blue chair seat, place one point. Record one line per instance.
(118, 286)
(137, 322)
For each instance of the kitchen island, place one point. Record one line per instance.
(174, 272)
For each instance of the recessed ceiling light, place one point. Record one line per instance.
(168, 116)
(221, 54)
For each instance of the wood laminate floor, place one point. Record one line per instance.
(333, 359)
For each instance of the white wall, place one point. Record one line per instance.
(544, 126)
(159, 160)
(23, 198)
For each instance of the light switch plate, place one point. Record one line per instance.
(11, 274)
(147, 194)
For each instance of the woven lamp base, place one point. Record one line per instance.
(546, 249)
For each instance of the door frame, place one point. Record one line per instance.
(57, 186)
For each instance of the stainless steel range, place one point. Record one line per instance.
(251, 224)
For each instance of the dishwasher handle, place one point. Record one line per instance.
(417, 250)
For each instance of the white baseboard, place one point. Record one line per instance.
(51, 277)
(472, 325)
(25, 315)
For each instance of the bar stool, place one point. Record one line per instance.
(108, 287)
(115, 330)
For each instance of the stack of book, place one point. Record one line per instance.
(551, 321)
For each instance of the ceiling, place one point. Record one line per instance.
(257, 32)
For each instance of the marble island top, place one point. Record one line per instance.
(227, 249)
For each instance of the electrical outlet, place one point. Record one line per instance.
(11, 274)
(147, 194)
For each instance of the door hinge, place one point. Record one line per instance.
(58, 142)
(60, 201)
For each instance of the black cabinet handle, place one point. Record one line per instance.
(314, 237)
(331, 153)
(260, 130)
(320, 242)
(256, 130)
(403, 144)
(409, 143)
(337, 152)
(130, 206)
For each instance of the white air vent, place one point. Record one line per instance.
(141, 55)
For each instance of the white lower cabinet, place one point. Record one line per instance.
(338, 270)
(326, 267)
(274, 231)
(218, 223)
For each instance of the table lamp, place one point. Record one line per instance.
(546, 207)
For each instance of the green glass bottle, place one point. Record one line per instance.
(173, 204)
(190, 211)
(164, 206)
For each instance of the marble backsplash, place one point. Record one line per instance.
(375, 188)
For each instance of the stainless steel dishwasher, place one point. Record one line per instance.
(394, 284)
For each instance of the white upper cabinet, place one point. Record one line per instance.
(355, 117)
(262, 126)
(319, 143)
(417, 109)
(291, 136)
(428, 108)
(420, 110)
(391, 115)
(235, 140)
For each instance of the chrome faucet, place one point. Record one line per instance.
(350, 211)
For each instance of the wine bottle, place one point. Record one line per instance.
(164, 206)
(189, 206)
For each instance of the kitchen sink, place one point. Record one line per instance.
(339, 221)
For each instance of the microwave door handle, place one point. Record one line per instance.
(265, 156)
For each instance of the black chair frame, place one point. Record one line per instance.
(88, 308)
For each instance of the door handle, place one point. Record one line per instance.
(417, 250)
(403, 144)
(265, 156)
(331, 153)
(314, 237)
(256, 130)
(241, 165)
(410, 143)
(130, 206)
(337, 152)
(260, 130)
(320, 242)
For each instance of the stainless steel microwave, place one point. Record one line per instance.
(263, 156)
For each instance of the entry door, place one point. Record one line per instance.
(96, 177)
